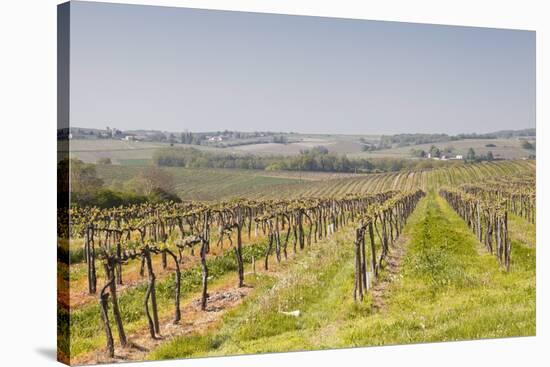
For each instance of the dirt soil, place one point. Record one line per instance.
(76, 292)
(393, 267)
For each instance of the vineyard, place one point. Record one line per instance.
(210, 184)
(485, 209)
(404, 180)
(238, 183)
(264, 270)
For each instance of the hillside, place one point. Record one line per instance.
(139, 153)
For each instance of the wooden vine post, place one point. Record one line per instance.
(204, 268)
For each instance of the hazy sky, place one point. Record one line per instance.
(144, 67)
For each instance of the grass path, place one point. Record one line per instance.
(522, 230)
(451, 289)
(448, 288)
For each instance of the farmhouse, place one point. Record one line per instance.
(216, 138)
(134, 138)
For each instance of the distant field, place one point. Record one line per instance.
(120, 151)
(425, 179)
(136, 153)
(139, 153)
(334, 143)
(213, 184)
(505, 148)
(203, 184)
(91, 150)
(216, 184)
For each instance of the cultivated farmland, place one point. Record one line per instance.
(229, 275)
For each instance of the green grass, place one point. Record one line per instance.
(449, 288)
(522, 230)
(303, 282)
(70, 251)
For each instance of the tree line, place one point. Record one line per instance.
(150, 185)
(314, 159)
(404, 140)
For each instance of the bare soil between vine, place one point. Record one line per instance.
(194, 321)
(392, 268)
(79, 297)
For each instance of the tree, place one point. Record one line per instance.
(490, 156)
(172, 138)
(186, 138)
(448, 149)
(319, 150)
(281, 139)
(160, 195)
(527, 145)
(150, 179)
(434, 151)
(419, 153)
(156, 178)
(105, 160)
(471, 155)
(84, 181)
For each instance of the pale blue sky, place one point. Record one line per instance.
(145, 67)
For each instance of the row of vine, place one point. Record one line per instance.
(517, 194)
(487, 218)
(386, 219)
(116, 236)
